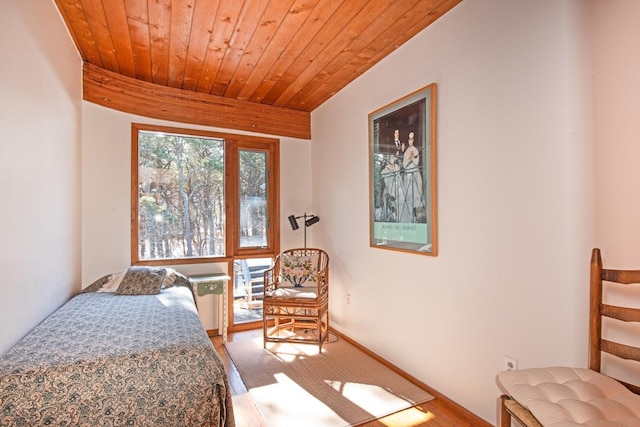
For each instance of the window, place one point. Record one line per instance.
(252, 187)
(192, 191)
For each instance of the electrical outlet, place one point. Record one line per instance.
(348, 299)
(510, 363)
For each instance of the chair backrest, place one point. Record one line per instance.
(614, 318)
(323, 258)
(319, 279)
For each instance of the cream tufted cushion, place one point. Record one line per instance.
(564, 397)
(293, 293)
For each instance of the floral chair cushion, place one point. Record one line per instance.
(298, 271)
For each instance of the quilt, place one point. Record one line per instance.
(109, 359)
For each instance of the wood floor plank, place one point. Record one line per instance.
(436, 413)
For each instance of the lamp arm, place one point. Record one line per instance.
(305, 216)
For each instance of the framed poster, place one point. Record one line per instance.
(402, 174)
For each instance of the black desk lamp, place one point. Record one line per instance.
(309, 220)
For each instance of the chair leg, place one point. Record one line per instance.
(505, 416)
(264, 329)
(319, 332)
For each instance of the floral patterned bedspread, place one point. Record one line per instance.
(108, 360)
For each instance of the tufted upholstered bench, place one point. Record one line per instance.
(568, 397)
(561, 396)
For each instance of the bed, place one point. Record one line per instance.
(122, 352)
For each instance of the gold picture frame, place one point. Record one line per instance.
(402, 174)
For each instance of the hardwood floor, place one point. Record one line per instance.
(440, 411)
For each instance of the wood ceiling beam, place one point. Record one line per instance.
(133, 96)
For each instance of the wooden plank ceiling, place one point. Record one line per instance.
(273, 55)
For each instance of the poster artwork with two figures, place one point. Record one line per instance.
(402, 174)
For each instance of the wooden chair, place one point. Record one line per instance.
(543, 386)
(296, 298)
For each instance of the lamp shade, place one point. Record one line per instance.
(293, 222)
(312, 220)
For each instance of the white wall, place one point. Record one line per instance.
(617, 90)
(106, 178)
(616, 110)
(40, 119)
(515, 209)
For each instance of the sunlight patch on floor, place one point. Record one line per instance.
(288, 352)
(408, 418)
(298, 401)
(369, 397)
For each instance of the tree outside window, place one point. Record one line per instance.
(187, 191)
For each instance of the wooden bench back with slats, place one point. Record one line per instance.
(598, 310)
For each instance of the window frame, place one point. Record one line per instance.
(273, 208)
(233, 144)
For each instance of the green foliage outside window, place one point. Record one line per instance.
(181, 197)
